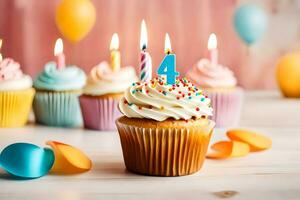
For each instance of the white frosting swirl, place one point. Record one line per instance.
(158, 101)
(12, 77)
(102, 80)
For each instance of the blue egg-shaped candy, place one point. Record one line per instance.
(26, 160)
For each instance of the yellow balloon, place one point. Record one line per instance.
(288, 74)
(75, 18)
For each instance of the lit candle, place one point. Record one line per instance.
(146, 61)
(168, 65)
(115, 53)
(212, 47)
(59, 53)
(168, 48)
(1, 58)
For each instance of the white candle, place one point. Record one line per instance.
(59, 54)
(212, 47)
(146, 61)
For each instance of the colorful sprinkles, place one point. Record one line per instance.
(187, 91)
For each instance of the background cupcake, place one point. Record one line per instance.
(165, 130)
(16, 94)
(220, 85)
(56, 101)
(101, 95)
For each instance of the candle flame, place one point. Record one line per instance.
(114, 44)
(212, 42)
(168, 48)
(59, 47)
(144, 36)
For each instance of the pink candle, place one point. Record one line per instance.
(212, 47)
(59, 54)
(214, 56)
(146, 61)
(61, 60)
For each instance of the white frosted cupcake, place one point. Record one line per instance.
(165, 130)
(102, 93)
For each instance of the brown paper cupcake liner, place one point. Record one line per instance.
(164, 151)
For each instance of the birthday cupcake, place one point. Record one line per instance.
(165, 130)
(16, 94)
(220, 85)
(56, 101)
(101, 95)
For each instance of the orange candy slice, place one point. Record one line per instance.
(257, 142)
(68, 159)
(228, 149)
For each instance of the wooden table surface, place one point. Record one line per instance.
(273, 174)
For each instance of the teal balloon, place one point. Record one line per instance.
(26, 160)
(250, 22)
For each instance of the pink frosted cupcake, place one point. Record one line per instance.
(101, 95)
(220, 85)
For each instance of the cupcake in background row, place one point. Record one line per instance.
(16, 94)
(58, 87)
(105, 87)
(220, 85)
(56, 101)
(165, 130)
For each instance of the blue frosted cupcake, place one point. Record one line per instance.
(56, 101)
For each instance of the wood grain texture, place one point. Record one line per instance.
(273, 174)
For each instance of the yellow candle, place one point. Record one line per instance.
(115, 55)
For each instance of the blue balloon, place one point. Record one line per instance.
(250, 22)
(26, 160)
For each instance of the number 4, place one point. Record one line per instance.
(168, 68)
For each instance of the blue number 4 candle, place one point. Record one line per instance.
(168, 65)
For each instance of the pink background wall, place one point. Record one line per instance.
(29, 33)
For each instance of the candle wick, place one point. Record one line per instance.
(144, 47)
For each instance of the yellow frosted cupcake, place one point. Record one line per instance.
(16, 94)
(165, 130)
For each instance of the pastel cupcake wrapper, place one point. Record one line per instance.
(164, 151)
(57, 109)
(227, 106)
(99, 113)
(15, 107)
